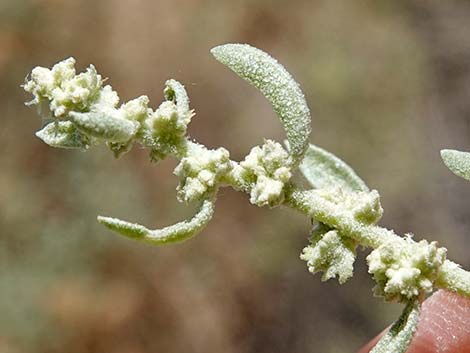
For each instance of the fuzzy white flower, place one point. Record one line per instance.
(136, 109)
(330, 253)
(107, 99)
(63, 89)
(166, 121)
(200, 171)
(165, 130)
(364, 206)
(268, 170)
(404, 269)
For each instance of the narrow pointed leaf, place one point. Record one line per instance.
(277, 85)
(63, 134)
(458, 162)
(175, 233)
(398, 338)
(323, 169)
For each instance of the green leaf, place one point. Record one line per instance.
(63, 134)
(458, 162)
(110, 128)
(277, 85)
(175, 233)
(398, 338)
(323, 169)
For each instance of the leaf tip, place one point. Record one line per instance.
(131, 230)
(457, 161)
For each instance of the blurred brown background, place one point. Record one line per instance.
(389, 86)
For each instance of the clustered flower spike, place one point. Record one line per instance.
(267, 169)
(81, 112)
(405, 269)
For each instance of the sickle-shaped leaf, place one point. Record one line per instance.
(458, 162)
(323, 169)
(277, 85)
(398, 338)
(175, 233)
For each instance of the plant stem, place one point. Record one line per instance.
(451, 276)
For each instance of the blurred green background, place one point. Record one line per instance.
(388, 83)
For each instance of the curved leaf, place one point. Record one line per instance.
(398, 338)
(458, 162)
(174, 233)
(277, 85)
(323, 169)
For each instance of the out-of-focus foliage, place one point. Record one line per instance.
(458, 162)
(388, 86)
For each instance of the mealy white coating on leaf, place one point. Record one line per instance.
(175, 233)
(107, 127)
(398, 338)
(200, 171)
(277, 85)
(267, 168)
(330, 253)
(404, 269)
(323, 169)
(458, 162)
(63, 134)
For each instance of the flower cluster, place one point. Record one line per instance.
(330, 253)
(405, 269)
(267, 170)
(84, 113)
(364, 206)
(63, 89)
(201, 171)
(165, 131)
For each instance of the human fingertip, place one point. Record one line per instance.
(444, 326)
